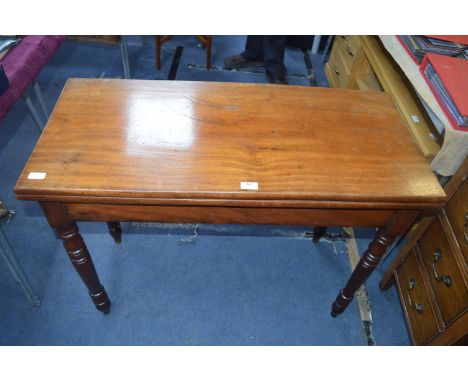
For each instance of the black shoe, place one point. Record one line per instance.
(238, 61)
(281, 80)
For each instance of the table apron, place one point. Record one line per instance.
(229, 215)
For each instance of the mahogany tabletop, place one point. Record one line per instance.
(144, 141)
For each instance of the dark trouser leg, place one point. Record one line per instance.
(78, 253)
(273, 56)
(115, 231)
(377, 248)
(253, 48)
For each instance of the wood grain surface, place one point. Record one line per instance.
(227, 215)
(134, 139)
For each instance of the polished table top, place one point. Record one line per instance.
(163, 141)
(125, 150)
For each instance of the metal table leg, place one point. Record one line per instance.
(124, 53)
(35, 114)
(7, 253)
(327, 47)
(40, 97)
(316, 44)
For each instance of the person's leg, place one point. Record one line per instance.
(273, 57)
(253, 48)
(251, 56)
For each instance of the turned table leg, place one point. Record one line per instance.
(115, 231)
(398, 225)
(160, 40)
(78, 253)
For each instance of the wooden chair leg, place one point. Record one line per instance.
(206, 42)
(160, 40)
(208, 53)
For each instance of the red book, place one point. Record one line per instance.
(453, 75)
(461, 39)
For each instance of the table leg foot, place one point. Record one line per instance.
(83, 263)
(340, 304)
(319, 232)
(115, 231)
(101, 301)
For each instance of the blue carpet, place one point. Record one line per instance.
(224, 285)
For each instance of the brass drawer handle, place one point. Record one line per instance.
(350, 51)
(336, 70)
(415, 306)
(465, 228)
(447, 280)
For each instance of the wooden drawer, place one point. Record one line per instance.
(368, 82)
(338, 68)
(443, 271)
(394, 81)
(350, 46)
(346, 55)
(362, 66)
(417, 305)
(330, 76)
(439, 232)
(457, 213)
(343, 37)
(354, 45)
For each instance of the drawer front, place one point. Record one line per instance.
(368, 82)
(338, 68)
(362, 66)
(350, 46)
(331, 68)
(443, 271)
(354, 45)
(457, 213)
(330, 76)
(346, 55)
(415, 300)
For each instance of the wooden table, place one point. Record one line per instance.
(226, 153)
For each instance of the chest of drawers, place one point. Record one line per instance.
(432, 279)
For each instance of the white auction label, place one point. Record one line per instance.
(249, 186)
(37, 175)
(415, 118)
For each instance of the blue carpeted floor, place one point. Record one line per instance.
(176, 285)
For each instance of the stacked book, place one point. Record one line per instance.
(447, 77)
(417, 46)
